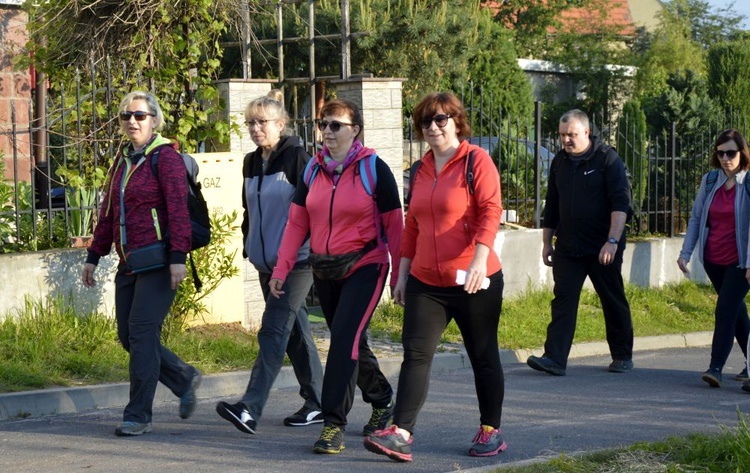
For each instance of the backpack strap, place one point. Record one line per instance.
(311, 170)
(368, 174)
(711, 178)
(412, 176)
(470, 172)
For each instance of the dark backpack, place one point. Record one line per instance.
(415, 167)
(200, 221)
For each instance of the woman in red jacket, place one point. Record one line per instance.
(448, 271)
(346, 223)
(154, 210)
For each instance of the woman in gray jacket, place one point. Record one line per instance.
(270, 180)
(719, 224)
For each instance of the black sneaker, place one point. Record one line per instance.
(713, 377)
(545, 364)
(488, 442)
(621, 366)
(380, 419)
(238, 415)
(304, 416)
(390, 443)
(746, 386)
(188, 400)
(331, 440)
(743, 375)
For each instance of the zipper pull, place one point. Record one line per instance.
(156, 224)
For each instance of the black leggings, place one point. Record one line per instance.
(348, 305)
(428, 310)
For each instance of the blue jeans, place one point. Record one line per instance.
(141, 304)
(730, 317)
(285, 329)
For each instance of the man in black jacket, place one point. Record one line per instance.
(588, 200)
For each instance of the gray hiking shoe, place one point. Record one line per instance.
(131, 429)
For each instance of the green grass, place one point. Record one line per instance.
(681, 308)
(47, 344)
(728, 451)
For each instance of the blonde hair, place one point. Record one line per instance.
(153, 106)
(277, 95)
(270, 108)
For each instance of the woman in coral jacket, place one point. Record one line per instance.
(346, 223)
(448, 231)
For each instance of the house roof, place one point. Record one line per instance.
(613, 13)
(617, 13)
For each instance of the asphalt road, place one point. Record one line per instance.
(589, 409)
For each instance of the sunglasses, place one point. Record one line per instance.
(334, 125)
(440, 120)
(252, 123)
(138, 114)
(728, 154)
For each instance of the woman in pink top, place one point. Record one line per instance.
(719, 225)
(449, 271)
(345, 221)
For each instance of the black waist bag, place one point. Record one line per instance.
(337, 266)
(147, 258)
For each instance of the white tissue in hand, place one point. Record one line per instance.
(461, 279)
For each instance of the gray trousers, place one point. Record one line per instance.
(285, 329)
(141, 304)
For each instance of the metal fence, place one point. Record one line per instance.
(79, 139)
(664, 171)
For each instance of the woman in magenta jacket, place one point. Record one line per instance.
(342, 218)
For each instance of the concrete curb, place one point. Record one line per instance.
(78, 399)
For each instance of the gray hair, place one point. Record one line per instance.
(269, 107)
(153, 106)
(577, 115)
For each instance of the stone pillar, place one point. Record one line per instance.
(236, 94)
(15, 93)
(380, 102)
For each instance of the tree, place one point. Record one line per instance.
(686, 102)
(495, 68)
(729, 78)
(170, 47)
(440, 45)
(532, 21)
(708, 25)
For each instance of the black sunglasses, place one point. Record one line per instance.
(440, 120)
(138, 114)
(730, 153)
(251, 123)
(334, 125)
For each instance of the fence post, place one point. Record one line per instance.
(673, 157)
(537, 163)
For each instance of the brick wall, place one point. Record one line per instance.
(15, 93)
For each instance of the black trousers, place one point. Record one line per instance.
(427, 312)
(348, 305)
(141, 304)
(730, 317)
(569, 274)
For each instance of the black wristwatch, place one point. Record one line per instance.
(613, 241)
